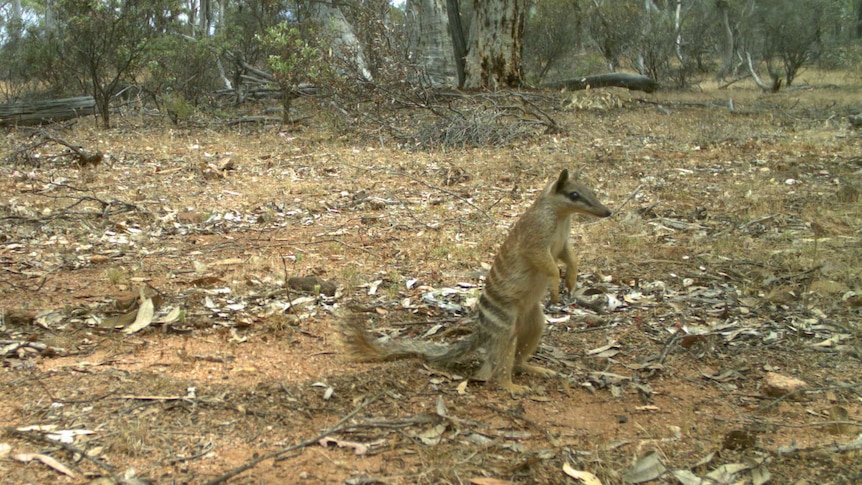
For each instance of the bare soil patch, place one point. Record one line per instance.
(733, 253)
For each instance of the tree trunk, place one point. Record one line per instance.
(859, 19)
(459, 42)
(431, 45)
(496, 42)
(677, 30)
(14, 24)
(50, 22)
(205, 17)
(727, 49)
(345, 44)
(776, 81)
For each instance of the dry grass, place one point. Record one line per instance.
(739, 218)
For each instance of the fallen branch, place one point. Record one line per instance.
(776, 83)
(831, 447)
(41, 438)
(629, 198)
(40, 112)
(735, 80)
(253, 463)
(421, 182)
(632, 82)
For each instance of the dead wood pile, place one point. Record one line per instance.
(47, 111)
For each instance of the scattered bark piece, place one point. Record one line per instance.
(777, 385)
(99, 259)
(191, 217)
(47, 460)
(311, 284)
(848, 194)
(20, 317)
(738, 439)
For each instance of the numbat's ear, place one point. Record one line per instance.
(561, 182)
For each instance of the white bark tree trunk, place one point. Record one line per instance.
(495, 44)
(727, 49)
(345, 44)
(431, 43)
(677, 28)
(14, 24)
(50, 23)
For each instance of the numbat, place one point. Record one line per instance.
(510, 318)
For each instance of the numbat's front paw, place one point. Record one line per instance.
(536, 370)
(571, 283)
(514, 389)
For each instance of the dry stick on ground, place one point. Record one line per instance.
(12, 156)
(422, 182)
(84, 157)
(735, 80)
(764, 407)
(669, 345)
(333, 429)
(39, 437)
(105, 205)
(174, 461)
(629, 198)
(517, 417)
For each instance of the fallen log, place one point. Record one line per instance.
(633, 82)
(49, 111)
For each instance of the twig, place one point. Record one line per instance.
(517, 417)
(800, 390)
(32, 436)
(174, 461)
(426, 322)
(334, 428)
(833, 447)
(629, 198)
(735, 80)
(666, 350)
(810, 425)
(422, 182)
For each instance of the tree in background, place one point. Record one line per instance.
(495, 44)
(486, 36)
(101, 42)
(297, 57)
(779, 30)
(554, 32)
(190, 49)
(614, 28)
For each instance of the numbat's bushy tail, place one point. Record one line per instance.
(510, 318)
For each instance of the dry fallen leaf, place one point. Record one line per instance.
(490, 481)
(143, 318)
(838, 413)
(648, 467)
(586, 478)
(462, 387)
(47, 460)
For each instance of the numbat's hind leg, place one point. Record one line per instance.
(530, 329)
